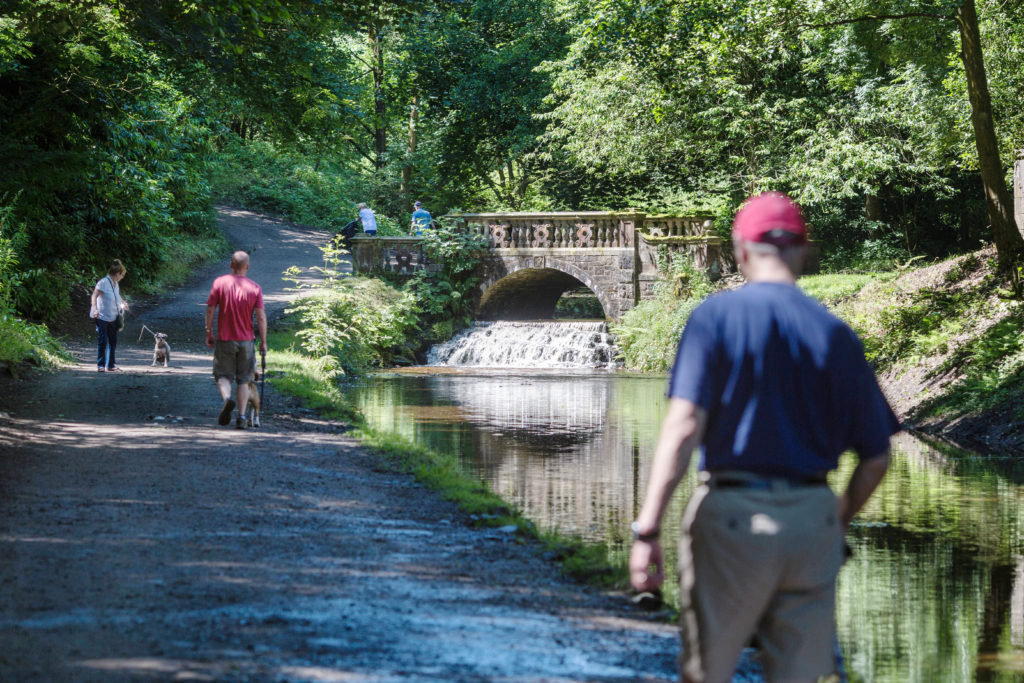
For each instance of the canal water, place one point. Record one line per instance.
(934, 591)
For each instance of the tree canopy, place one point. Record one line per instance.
(115, 113)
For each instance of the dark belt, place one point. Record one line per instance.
(726, 481)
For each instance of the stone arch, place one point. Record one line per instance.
(528, 289)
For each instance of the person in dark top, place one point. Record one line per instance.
(421, 220)
(774, 388)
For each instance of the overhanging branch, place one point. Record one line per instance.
(875, 17)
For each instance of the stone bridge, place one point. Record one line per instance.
(535, 258)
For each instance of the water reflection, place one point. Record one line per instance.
(934, 591)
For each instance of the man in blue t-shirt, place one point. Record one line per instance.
(420, 219)
(775, 388)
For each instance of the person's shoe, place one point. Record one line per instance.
(100, 368)
(239, 422)
(225, 412)
(113, 368)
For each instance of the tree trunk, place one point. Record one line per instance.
(380, 141)
(1009, 243)
(410, 151)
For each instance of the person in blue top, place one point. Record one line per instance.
(774, 388)
(420, 220)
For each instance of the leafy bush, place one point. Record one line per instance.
(648, 334)
(444, 291)
(19, 340)
(352, 324)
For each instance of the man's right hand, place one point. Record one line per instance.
(209, 338)
(643, 556)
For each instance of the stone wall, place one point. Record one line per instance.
(609, 273)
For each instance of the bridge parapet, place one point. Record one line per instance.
(535, 257)
(554, 230)
(376, 255)
(678, 226)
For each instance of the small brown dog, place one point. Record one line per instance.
(252, 406)
(161, 350)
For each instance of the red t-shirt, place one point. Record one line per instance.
(237, 297)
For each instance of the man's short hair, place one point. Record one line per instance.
(239, 259)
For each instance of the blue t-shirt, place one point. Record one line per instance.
(784, 382)
(420, 220)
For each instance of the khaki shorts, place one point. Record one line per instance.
(759, 561)
(235, 360)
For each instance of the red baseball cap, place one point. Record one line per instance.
(772, 218)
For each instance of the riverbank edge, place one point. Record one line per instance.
(302, 377)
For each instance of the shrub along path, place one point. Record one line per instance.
(141, 540)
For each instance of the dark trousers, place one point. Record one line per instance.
(106, 343)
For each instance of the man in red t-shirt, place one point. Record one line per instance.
(234, 359)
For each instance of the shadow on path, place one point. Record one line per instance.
(143, 541)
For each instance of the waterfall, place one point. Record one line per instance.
(507, 344)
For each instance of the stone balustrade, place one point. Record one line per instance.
(553, 230)
(536, 257)
(678, 226)
(376, 255)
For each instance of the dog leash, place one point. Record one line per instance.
(146, 329)
(263, 374)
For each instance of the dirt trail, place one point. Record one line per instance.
(141, 541)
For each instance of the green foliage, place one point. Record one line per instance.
(475, 76)
(444, 291)
(275, 179)
(263, 177)
(581, 304)
(20, 341)
(648, 334)
(918, 324)
(351, 324)
(296, 373)
(108, 156)
(992, 370)
(720, 100)
(24, 342)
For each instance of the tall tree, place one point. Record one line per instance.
(1009, 243)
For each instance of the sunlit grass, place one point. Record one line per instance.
(23, 342)
(832, 288)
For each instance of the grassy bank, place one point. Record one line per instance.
(948, 342)
(301, 375)
(946, 338)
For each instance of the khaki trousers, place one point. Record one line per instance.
(759, 561)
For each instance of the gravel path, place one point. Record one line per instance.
(140, 541)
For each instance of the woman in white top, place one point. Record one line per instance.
(106, 306)
(368, 219)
